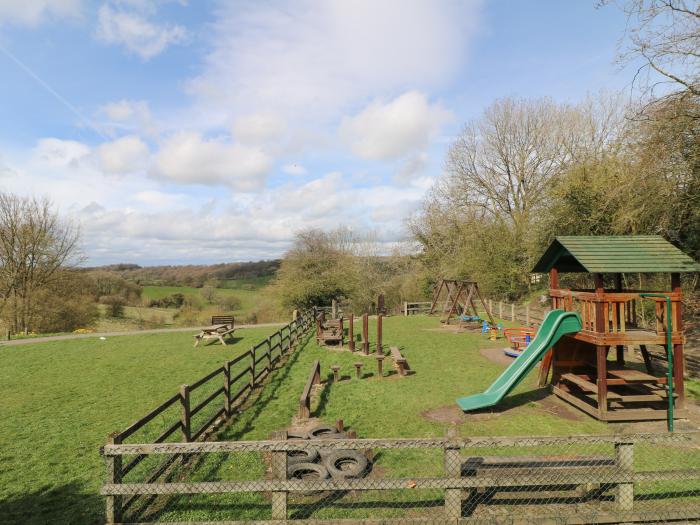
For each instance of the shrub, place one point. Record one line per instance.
(115, 305)
(229, 302)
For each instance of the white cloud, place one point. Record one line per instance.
(311, 62)
(294, 169)
(33, 12)
(259, 128)
(188, 158)
(58, 152)
(391, 130)
(134, 31)
(132, 115)
(125, 155)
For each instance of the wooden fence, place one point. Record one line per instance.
(420, 307)
(206, 403)
(609, 479)
(305, 399)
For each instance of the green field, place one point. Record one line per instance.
(61, 400)
(64, 398)
(246, 290)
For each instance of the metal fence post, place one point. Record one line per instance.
(453, 469)
(185, 413)
(624, 459)
(114, 476)
(279, 471)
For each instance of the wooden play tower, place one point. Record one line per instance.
(612, 317)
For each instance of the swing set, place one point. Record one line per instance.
(457, 297)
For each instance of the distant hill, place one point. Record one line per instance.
(191, 274)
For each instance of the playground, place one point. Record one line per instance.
(359, 419)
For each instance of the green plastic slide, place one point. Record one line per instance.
(556, 324)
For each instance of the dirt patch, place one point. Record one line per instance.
(450, 414)
(552, 405)
(496, 355)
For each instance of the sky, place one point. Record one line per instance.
(210, 131)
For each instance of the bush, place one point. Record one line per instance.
(115, 305)
(229, 302)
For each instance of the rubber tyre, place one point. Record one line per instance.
(326, 432)
(343, 464)
(308, 455)
(297, 435)
(307, 471)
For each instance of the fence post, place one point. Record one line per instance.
(405, 308)
(512, 312)
(624, 459)
(227, 389)
(379, 334)
(252, 367)
(279, 471)
(365, 334)
(269, 351)
(334, 309)
(114, 475)
(185, 413)
(500, 309)
(453, 469)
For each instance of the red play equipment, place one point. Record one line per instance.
(519, 339)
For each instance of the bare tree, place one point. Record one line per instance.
(665, 36)
(35, 243)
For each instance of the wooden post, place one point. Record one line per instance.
(295, 315)
(365, 334)
(453, 469)
(336, 373)
(279, 471)
(185, 413)
(405, 308)
(358, 370)
(334, 309)
(351, 333)
(624, 460)
(252, 367)
(380, 359)
(379, 334)
(500, 309)
(269, 352)
(114, 475)
(554, 283)
(678, 358)
(227, 389)
(602, 381)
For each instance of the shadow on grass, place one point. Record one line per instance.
(70, 504)
(517, 400)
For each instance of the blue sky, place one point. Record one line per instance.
(207, 131)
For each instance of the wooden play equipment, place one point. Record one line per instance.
(400, 363)
(457, 297)
(518, 339)
(329, 330)
(612, 318)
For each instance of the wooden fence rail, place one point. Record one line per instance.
(551, 464)
(227, 392)
(305, 399)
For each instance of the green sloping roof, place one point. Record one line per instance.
(615, 254)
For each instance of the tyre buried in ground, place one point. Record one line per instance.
(343, 464)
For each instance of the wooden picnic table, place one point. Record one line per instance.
(215, 331)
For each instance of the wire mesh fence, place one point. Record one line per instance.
(579, 479)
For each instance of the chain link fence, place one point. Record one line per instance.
(579, 479)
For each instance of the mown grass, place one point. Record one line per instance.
(61, 399)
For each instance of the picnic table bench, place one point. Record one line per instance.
(400, 362)
(221, 328)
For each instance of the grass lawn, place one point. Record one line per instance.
(61, 399)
